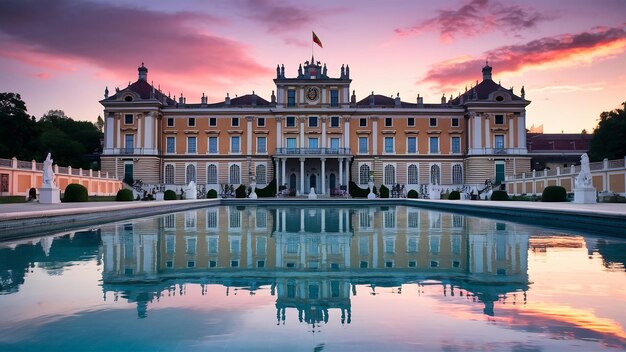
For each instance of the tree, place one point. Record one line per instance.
(609, 137)
(18, 134)
(100, 124)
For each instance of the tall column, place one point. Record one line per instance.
(276, 174)
(346, 132)
(323, 175)
(510, 131)
(374, 135)
(487, 134)
(284, 160)
(249, 134)
(108, 128)
(279, 131)
(347, 166)
(301, 176)
(149, 131)
(477, 130)
(118, 130)
(138, 140)
(341, 220)
(301, 118)
(521, 130)
(341, 171)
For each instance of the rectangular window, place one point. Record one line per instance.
(170, 145)
(411, 145)
(234, 122)
(334, 121)
(291, 97)
(363, 122)
(291, 121)
(312, 121)
(170, 122)
(388, 144)
(128, 119)
(313, 143)
(212, 121)
(129, 143)
(499, 119)
(434, 145)
(410, 121)
(388, 122)
(334, 143)
(212, 145)
(191, 122)
(191, 145)
(234, 144)
(499, 141)
(456, 144)
(455, 122)
(292, 143)
(432, 122)
(261, 145)
(363, 144)
(334, 97)
(260, 122)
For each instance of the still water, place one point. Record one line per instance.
(313, 279)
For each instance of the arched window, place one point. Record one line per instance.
(457, 174)
(413, 175)
(211, 174)
(390, 174)
(261, 174)
(364, 174)
(191, 174)
(435, 174)
(169, 174)
(234, 175)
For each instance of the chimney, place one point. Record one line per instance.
(420, 101)
(443, 98)
(203, 99)
(227, 100)
(143, 73)
(181, 100)
(397, 101)
(372, 99)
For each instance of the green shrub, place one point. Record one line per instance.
(169, 195)
(240, 192)
(412, 194)
(124, 195)
(499, 195)
(554, 194)
(75, 192)
(384, 191)
(454, 195)
(356, 191)
(268, 191)
(211, 194)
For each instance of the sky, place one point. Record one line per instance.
(569, 56)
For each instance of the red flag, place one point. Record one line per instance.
(317, 40)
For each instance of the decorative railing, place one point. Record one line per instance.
(313, 151)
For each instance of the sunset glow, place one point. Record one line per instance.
(62, 54)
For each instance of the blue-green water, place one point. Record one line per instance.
(313, 279)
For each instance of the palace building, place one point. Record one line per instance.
(314, 133)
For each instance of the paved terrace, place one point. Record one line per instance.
(32, 219)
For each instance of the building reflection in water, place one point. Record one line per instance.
(313, 258)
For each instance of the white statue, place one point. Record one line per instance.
(584, 180)
(190, 191)
(48, 173)
(312, 194)
(434, 191)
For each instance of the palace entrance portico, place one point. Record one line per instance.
(322, 169)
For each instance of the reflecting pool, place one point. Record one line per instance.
(313, 279)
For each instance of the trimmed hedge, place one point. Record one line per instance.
(384, 191)
(499, 195)
(554, 194)
(75, 192)
(169, 195)
(454, 195)
(211, 194)
(412, 194)
(124, 195)
(268, 191)
(240, 192)
(356, 191)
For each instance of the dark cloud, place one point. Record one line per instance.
(513, 58)
(116, 38)
(478, 17)
(279, 18)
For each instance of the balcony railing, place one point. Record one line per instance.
(314, 151)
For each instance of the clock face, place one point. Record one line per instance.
(312, 93)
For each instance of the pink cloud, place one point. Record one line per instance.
(478, 17)
(598, 42)
(296, 42)
(278, 18)
(61, 33)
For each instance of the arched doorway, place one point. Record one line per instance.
(332, 182)
(292, 183)
(313, 182)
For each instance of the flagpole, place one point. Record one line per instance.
(312, 49)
